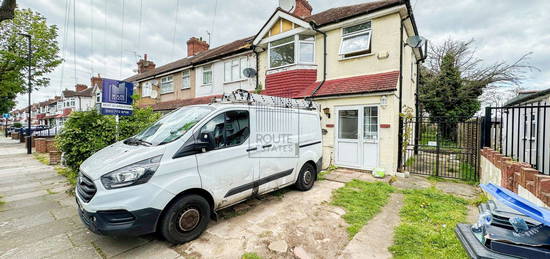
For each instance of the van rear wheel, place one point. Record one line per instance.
(185, 219)
(306, 178)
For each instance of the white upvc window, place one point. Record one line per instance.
(306, 49)
(147, 89)
(233, 69)
(292, 50)
(207, 75)
(356, 40)
(166, 84)
(186, 79)
(98, 97)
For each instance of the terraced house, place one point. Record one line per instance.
(352, 60)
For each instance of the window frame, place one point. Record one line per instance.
(297, 50)
(185, 77)
(235, 62)
(204, 71)
(345, 36)
(165, 81)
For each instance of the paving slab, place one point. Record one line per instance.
(111, 246)
(39, 249)
(82, 252)
(154, 249)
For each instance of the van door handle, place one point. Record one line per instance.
(252, 149)
(266, 146)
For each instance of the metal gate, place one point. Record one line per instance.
(443, 147)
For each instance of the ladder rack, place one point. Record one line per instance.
(245, 97)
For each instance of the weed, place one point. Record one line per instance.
(250, 256)
(428, 219)
(361, 200)
(50, 191)
(322, 175)
(42, 158)
(481, 198)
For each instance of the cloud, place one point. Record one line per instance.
(503, 31)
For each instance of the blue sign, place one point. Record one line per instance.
(6, 115)
(116, 97)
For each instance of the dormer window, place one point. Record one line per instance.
(356, 40)
(288, 50)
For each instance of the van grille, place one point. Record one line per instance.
(85, 187)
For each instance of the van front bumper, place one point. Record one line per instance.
(120, 222)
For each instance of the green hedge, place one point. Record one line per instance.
(85, 133)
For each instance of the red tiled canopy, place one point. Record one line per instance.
(354, 85)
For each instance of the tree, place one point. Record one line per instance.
(14, 54)
(454, 79)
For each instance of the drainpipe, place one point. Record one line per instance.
(400, 128)
(257, 67)
(315, 28)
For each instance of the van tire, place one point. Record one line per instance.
(185, 219)
(306, 177)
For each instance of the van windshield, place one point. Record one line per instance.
(172, 126)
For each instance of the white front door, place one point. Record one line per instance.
(357, 137)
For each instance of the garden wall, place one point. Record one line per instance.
(518, 177)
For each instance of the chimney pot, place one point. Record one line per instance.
(145, 65)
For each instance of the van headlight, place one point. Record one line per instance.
(134, 174)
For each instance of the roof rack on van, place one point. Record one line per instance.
(243, 96)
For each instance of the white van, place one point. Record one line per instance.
(173, 177)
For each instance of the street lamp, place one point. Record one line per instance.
(29, 56)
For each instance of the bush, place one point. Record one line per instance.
(87, 132)
(17, 125)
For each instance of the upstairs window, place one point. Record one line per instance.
(147, 89)
(207, 75)
(98, 97)
(287, 51)
(233, 69)
(356, 40)
(166, 84)
(281, 52)
(186, 80)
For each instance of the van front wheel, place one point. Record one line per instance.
(306, 177)
(185, 219)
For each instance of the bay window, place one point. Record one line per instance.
(186, 80)
(292, 50)
(233, 69)
(356, 40)
(166, 84)
(207, 75)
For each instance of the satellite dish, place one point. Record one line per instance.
(249, 72)
(154, 94)
(287, 5)
(416, 41)
(155, 82)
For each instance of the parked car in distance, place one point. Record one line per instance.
(175, 175)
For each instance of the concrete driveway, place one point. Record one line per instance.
(38, 219)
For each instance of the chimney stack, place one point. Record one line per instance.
(303, 9)
(80, 87)
(96, 81)
(145, 65)
(196, 46)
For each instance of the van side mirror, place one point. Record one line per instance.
(205, 142)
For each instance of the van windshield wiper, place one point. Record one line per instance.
(136, 141)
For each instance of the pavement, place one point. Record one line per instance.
(38, 219)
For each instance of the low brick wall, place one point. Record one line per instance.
(515, 176)
(50, 145)
(55, 157)
(40, 145)
(15, 135)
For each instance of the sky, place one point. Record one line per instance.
(107, 37)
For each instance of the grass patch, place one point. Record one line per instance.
(361, 200)
(43, 158)
(250, 256)
(435, 179)
(322, 175)
(428, 219)
(50, 191)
